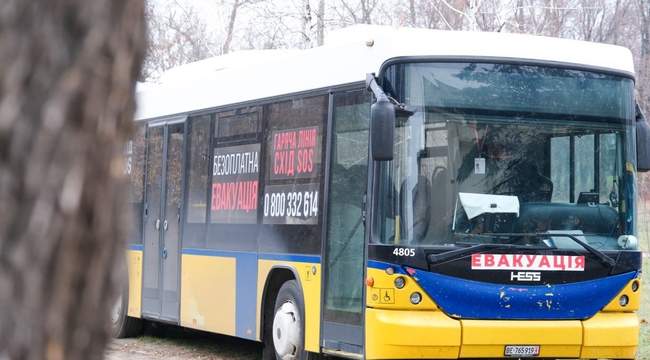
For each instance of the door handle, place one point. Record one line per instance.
(157, 224)
(164, 254)
(165, 225)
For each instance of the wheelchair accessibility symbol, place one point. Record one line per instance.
(387, 296)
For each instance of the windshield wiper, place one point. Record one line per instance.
(434, 259)
(604, 258)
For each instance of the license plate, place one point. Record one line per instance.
(522, 350)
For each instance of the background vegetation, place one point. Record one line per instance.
(182, 31)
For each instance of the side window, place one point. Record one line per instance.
(235, 167)
(134, 169)
(292, 191)
(198, 166)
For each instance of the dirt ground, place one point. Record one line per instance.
(173, 343)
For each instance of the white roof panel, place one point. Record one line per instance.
(347, 57)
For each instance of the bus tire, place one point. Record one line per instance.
(123, 325)
(284, 338)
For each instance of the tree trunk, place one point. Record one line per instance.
(412, 13)
(231, 27)
(320, 23)
(366, 11)
(67, 76)
(520, 16)
(306, 20)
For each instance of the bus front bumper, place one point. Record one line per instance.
(403, 334)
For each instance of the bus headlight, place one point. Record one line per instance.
(416, 298)
(628, 242)
(635, 285)
(400, 282)
(623, 300)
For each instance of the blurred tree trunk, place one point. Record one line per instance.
(67, 76)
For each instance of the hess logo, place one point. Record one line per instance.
(525, 276)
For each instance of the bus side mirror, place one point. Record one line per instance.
(382, 128)
(642, 142)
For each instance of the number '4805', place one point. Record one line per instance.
(404, 252)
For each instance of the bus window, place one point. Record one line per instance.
(546, 161)
(587, 165)
(198, 165)
(292, 193)
(584, 165)
(345, 230)
(134, 152)
(237, 124)
(560, 168)
(235, 167)
(608, 165)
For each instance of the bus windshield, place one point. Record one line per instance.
(504, 153)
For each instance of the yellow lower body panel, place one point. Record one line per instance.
(134, 263)
(487, 338)
(208, 293)
(403, 334)
(310, 280)
(611, 335)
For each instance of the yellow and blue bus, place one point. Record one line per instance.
(393, 194)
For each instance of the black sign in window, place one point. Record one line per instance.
(235, 184)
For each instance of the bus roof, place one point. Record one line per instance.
(347, 56)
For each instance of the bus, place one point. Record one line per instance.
(394, 194)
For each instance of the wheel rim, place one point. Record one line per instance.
(286, 331)
(116, 311)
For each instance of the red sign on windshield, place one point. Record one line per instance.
(528, 262)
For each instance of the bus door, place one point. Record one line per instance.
(162, 214)
(344, 249)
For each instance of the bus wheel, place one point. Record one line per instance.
(122, 325)
(288, 329)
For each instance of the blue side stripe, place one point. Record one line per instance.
(261, 256)
(291, 257)
(136, 247)
(212, 252)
